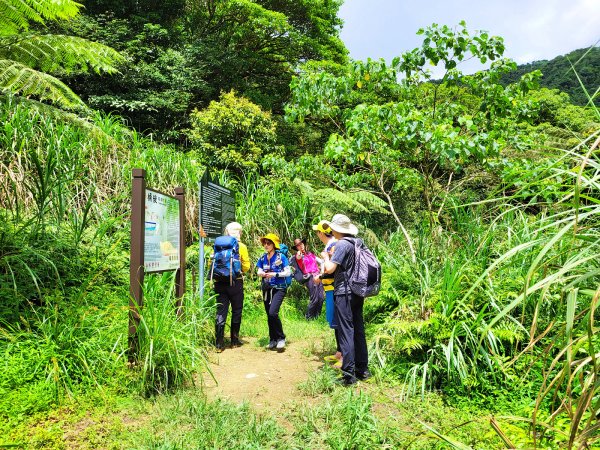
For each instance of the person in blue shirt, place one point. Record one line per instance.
(273, 267)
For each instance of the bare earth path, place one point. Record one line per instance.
(265, 378)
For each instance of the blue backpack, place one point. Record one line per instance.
(226, 264)
(283, 249)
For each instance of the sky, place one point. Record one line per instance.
(532, 29)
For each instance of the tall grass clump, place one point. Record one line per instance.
(64, 204)
(171, 348)
(183, 421)
(273, 206)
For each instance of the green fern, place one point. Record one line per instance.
(370, 201)
(27, 59)
(357, 202)
(17, 14)
(22, 80)
(304, 186)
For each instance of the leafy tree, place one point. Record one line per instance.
(554, 107)
(182, 54)
(232, 133)
(156, 88)
(430, 132)
(27, 57)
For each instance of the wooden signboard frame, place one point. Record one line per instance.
(136, 261)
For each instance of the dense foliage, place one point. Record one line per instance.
(181, 55)
(480, 198)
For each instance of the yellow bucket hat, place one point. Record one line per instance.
(270, 237)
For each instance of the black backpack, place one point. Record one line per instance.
(365, 278)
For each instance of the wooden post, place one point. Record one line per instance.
(136, 261)
(180, 274)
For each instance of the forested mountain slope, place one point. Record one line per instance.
(558, 74)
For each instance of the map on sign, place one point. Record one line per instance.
(217, 207)
(161, 232)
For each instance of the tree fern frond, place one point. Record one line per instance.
(22, 80)
(304, 186)
(15, 15)
(338, 200)
(353, 201)
(53, 53)
(370, 200)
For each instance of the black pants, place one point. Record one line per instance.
(316, 296)
(351, 333)
(227, 295)
(272, 299)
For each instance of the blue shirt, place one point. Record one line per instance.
(277, 263)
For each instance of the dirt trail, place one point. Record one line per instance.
(265, 378)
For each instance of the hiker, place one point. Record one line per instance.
(231, 292)
(326, 237)
(307, 264)
(274, 269)
(348, 306)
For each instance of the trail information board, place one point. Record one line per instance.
(161, 232)
(217, 207)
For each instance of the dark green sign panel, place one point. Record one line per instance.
(217, 207)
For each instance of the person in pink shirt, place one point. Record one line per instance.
(307, 264)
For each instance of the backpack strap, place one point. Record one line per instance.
(353, 242)
(231, 267)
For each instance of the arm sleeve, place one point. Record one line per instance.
(259, 265)
(287, 270)
(244, 258)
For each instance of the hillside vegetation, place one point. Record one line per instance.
(568, 73)
(480, 199)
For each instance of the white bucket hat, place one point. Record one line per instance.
(342, 224)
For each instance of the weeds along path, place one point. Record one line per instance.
(266, 379)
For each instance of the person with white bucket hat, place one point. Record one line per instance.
(348, 306)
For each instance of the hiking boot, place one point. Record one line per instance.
(362, 376)
(235, 335)
(346, 381)
(235, 342)
(219, 340)
(280, 344)
(272, 345)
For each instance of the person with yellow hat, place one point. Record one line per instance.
(274, 269)
(326, 237)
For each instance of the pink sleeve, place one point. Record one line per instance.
(310, 263)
